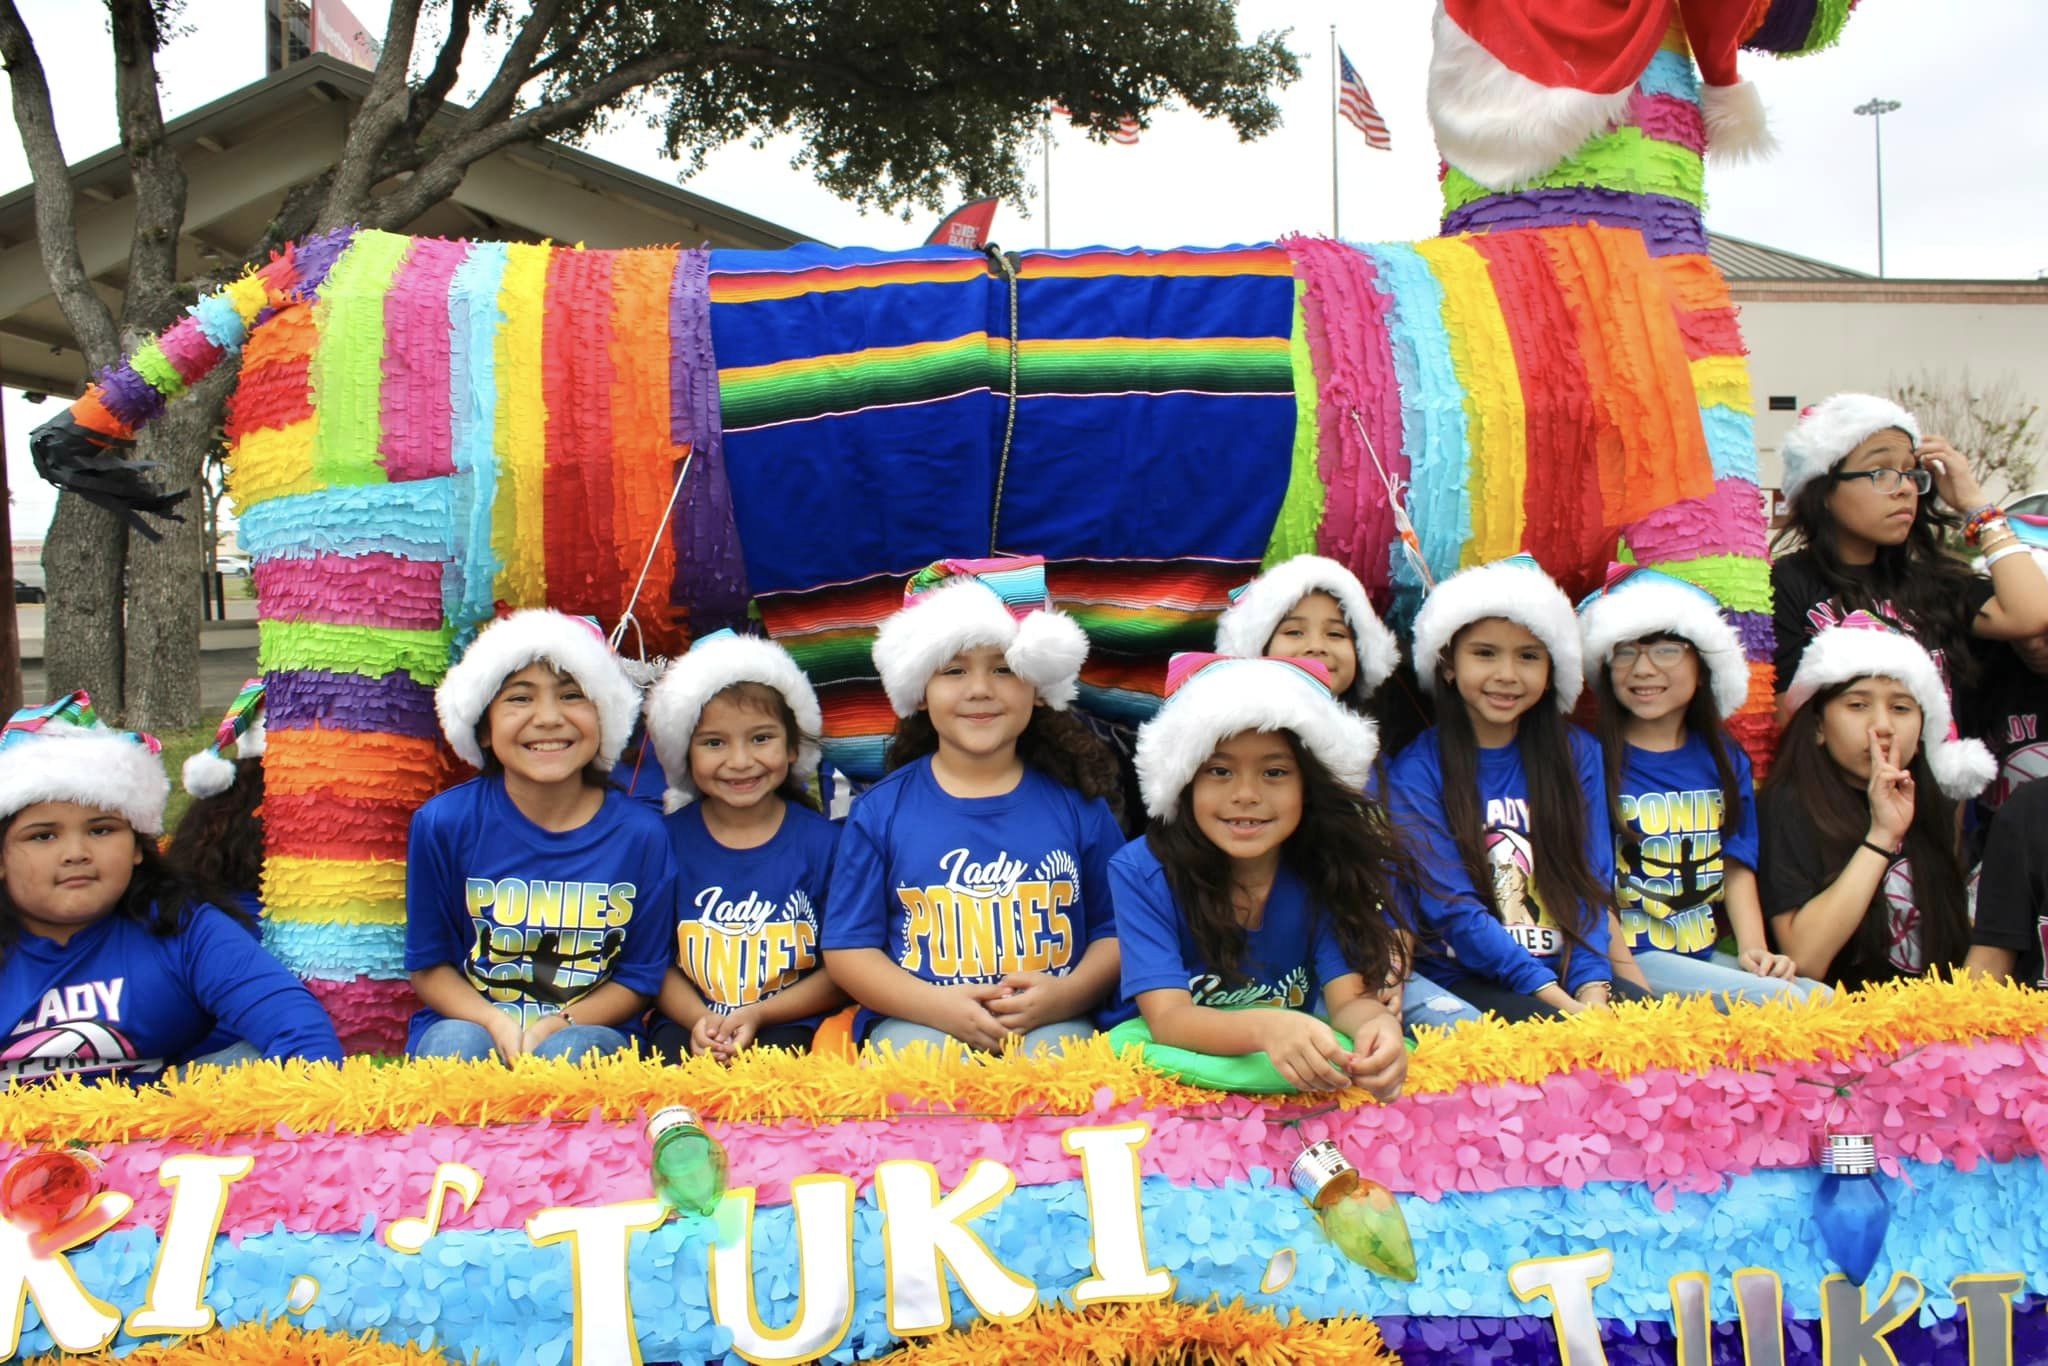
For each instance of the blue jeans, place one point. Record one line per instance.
(1722, 977)
(232, 1055)
(1423, 1002)
(903, 1033)
(472, 1042)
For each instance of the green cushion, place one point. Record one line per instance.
(1248, 1073)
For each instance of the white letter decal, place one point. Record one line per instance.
(1116, 1217)
(923, 1235)
(823, 1206)
(199, 1201)
(598, 1239)
(1569, 1282)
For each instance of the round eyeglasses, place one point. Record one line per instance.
(1664, 654)
(1887, 479)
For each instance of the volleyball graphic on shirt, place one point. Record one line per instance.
(78, 1046)
(1513, 860)
(2018, 768)
(1902, 918)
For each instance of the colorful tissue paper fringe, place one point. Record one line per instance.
(1706, 1169)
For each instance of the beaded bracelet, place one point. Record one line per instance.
(1982, 520)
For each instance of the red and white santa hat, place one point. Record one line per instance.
(575, 646)
(955, 605)
(1257, 609)
(714, 663)
(1515, 86)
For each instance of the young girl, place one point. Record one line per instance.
(219, 839)
(1314, 608)
(110, 964)
(1259, 880)
(1861, 879)
(1505, 796)
(737, 723)
(968, 894)
(1680, 804)
(1862, 489)
(540, 899)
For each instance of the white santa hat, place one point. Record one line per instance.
(955, 605)
(572, 645)
(1641, 602)
(207, 772)
(1516, 86)
(60, 752)
(717, 662)
(1514, 589)
(1832, 428)
(1210, 698)
(1257, 609)
(1864, 647)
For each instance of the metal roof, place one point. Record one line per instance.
(1740, 260)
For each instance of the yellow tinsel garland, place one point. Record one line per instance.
(360, 1096)
(265, 1344)
(1187, 1334)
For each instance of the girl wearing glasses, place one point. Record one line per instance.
(1667, 668)
(1867, 498)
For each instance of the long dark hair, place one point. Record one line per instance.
(1702, 718)
(1916, 584)
(219, 839)
(1841, 817)
(159, 898)
(1056, 743)
(1345, 851)
(1558, 810)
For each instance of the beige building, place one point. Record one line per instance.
(1815, 329)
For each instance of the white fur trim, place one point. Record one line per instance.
(1647, 608)
(1247, 626)
(1843, 653)
(91, 766)
(505, 647)
(1236, 695)
(1738, 128)
(254, 740)
(208, 773)
(1498, 126)
(1513, 592)
(1833, 428)
(1047, 649)
(675, 703)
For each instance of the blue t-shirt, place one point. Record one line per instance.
(1501, 934)
(747, 919)
(533, 918)
(119, 1001)
(1672, 804)
(962, 890)
(1288, 959)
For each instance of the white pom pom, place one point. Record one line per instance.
(1738, 130)
(1048, 653)
(208, 775)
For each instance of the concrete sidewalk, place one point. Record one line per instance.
(237, 633)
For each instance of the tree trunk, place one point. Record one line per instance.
(166, 586)
(83, 556)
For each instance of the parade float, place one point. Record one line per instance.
(426, 432)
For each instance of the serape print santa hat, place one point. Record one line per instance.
(1516, 86)
(1257, 609)
(955, 605)
(1514, 589)
(1863, 646)
(717, 662)
(572, 645)
(60, 752)
(1211, 697)
(1638, 602)
(209, 773)
(1832, 428)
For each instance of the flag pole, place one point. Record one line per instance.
(1336, 222)
(1045, 130)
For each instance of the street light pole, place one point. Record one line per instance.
(1877, 109)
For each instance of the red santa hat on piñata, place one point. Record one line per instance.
(1515, 86)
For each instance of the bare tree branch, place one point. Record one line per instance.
(153, 167)
(56, 198)
(433, 91)
(513, 72)
(383, 111)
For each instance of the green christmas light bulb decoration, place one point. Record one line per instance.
(688, 1164)
(1361, 1217)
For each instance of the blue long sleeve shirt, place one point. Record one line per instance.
(1501, 934)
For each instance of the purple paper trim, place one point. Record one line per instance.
(1670, 227)
(1785, 28)
(128, 396)
(392, 705)
(1753, 629)
(711, 577)
(315, 256)
(1531, 1341)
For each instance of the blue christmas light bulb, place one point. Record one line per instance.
(1850, 1206)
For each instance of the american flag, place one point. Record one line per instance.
(1125, 134)
(1355, 104)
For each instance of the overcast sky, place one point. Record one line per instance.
(1966, 194)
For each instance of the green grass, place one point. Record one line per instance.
(178, 746)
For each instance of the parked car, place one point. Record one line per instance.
(29, 592)
(234, 566)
